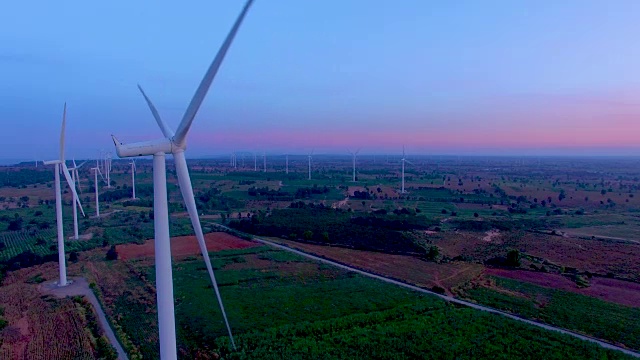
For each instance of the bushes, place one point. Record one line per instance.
(335, 227)
(513, 258)
(112, 254)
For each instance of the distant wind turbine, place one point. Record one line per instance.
(75, 177)
(255, 162)
(175, 143)
(133, 179)
(403, 160)
(353, 155)
(287, 163)
(60, 165)
(309, 158)
(264, 161)
(96, 171)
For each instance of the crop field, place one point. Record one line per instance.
(594, 317)
(42, 327)
(566, 229)
(281, 305)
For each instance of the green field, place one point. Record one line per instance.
(283, 306)
(603, 320)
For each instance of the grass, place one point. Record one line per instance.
(421, 330)
(601, 319)
(290, 307)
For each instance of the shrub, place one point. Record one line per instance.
(73, 256)
(513, 258)
(112, 254)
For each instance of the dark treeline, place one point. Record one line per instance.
(125, 193)
(319, 224)
(212, 199)
(24, 177)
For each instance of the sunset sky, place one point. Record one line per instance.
(449, 77)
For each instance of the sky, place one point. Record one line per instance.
(450, 77)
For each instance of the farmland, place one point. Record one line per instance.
(548, 240)
(601, 319)
(44, 327)
(282, 305)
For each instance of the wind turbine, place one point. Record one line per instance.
(403, 160)
(287, 163)
(60, 165)
(107, 166)
(75, 176)
(264, 161)
(255, 162)
(133, 179)
(175, 143)
(309, 157)
(353, 155)
(96, 171)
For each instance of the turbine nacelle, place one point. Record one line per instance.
(143, 148)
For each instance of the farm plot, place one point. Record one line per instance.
(42, 327)
(281, 305)
(588, 315)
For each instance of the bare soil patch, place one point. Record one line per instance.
(185, 245)
(491, 235)
(597, 256)
(612, 290)
(408, 268)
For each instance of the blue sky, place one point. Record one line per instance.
(440, 77)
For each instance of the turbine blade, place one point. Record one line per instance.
(64, 125)
(74, 164)
(71, 184)
(166, 130)
(201, 92)
(184, 182)
(78, 180)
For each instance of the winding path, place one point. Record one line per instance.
(602, 343)
(79, 286)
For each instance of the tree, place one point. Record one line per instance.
(433, 253)
(15, 224)
(73, 256)
(475, 215)
(112, 254)
(513, 258)
(562, 195)
(308, 235)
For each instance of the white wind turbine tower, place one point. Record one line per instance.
(287, 163)
(75, 177)
(60, 165)
(96, 171)
(255, 162)
(175, 143)
(309, 158)
(107, 166)
(353, 155)
(403, 160)
(133, 179)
